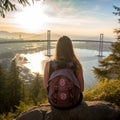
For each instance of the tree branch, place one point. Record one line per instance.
(7, 5)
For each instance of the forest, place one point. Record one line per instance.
(16, 96)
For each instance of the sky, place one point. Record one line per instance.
(76, 18)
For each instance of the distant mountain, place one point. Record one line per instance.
(21, 35)
(5, 35)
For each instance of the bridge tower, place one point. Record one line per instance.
(48, 43)
(101, 45)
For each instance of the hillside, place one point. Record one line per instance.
(43, 36)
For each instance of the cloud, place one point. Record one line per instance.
(76, 8)
(59, 8)
(105, 0)
(73, 16)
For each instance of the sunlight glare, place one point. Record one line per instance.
(35, 62)
(32, 18)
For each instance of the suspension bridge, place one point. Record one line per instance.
(100, 42)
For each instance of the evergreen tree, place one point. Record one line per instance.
(37, 91)
(2, 90)
(10, 5)
(110, 66)
(13, 88)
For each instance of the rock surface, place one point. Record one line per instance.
(95, 110)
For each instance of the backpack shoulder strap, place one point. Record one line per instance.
(53, 67)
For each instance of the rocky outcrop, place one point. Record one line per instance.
(96, 110)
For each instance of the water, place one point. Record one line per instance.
(88, 59)
(36, 60)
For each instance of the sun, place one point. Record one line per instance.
(32, 18)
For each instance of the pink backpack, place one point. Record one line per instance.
(63, 89)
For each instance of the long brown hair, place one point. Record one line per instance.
(64, 50)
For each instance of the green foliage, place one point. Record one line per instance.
(10, 88)
(106, 90)
(110, 66)
(37, 91)
(2, 89)
(14, 86)
(10, 5)
(117, 12)
(21, 108)
(13, 90)
(3, 117)
(9, 116)
(7, 5)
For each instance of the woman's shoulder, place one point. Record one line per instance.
(47, 64)
(47, 67)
